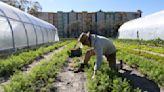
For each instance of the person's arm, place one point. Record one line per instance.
(99, 56)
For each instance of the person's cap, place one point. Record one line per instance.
(83, 37)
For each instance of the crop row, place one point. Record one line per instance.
(106, 80)
(147, 63)
(156, 58)
(151, 43)
(39, 78)
(132, 45)
(150, 56)
(150, 68)
(16, 62)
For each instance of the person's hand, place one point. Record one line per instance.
(94, 73)
(93, 76)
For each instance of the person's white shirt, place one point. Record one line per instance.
(102, 46)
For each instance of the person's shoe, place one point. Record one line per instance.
(80, 69)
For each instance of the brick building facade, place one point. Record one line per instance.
(71, 24)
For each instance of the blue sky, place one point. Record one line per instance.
(147, 6)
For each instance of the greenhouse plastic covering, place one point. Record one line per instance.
(146, 28)
(19, 29)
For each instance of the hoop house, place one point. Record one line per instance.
(146, 28)
(19, 29)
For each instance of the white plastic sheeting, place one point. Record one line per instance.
(19, 29)
(5, 34)
(146, 28)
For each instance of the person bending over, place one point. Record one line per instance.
(99, 46)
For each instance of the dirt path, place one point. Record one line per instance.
(139, 81)
(46, 57)
(68, 81)
(28, 68)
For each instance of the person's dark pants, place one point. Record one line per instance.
(111, 58)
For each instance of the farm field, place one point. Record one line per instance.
(44, 76)
(16, 63)
(81, 46)
(145, 56)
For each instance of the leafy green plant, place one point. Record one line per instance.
(15, 62)
(106, 80)
(134, 44)
(40, 76)
(150, 68)
(152, 43)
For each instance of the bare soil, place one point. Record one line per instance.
(68, 81)
(45, 57)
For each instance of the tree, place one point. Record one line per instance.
(14, 3)
(34, 7)
(25, 5)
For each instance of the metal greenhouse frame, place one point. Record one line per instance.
(19, 29)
